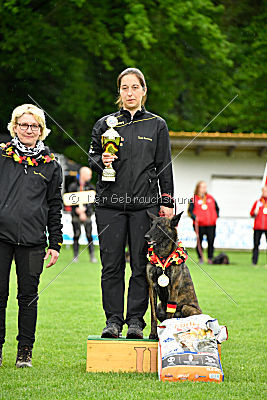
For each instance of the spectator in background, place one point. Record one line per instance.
(5, 137)
(82, 214)
(204, 212)
(259, 212)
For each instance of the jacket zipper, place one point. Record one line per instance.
(131, 169)
(130, 149)
(19, 226)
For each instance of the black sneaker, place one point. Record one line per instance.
(1, 356)
(135, 331)
(24, 357)
(112, 330)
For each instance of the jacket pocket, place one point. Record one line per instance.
(101, 186)
(152, 182)
(36, 261)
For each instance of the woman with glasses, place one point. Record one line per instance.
(30, 205)
(143, 166)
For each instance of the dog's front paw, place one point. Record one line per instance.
(153, 336)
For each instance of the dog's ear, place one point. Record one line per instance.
(175, 220)
(151, 216)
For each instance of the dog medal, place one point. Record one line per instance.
(163, 280)
(204, 206)
(265, 210)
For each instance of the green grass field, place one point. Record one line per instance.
(70, 309)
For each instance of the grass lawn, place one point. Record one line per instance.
(70, 309)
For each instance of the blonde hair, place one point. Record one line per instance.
(37, 113)
(139, 75)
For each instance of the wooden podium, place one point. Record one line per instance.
(128, 355)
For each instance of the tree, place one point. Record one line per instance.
(243, 22)
(67, 54)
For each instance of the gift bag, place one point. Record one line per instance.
(188, 349)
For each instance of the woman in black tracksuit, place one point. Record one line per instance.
(30, 204)
(81, 215)
(143, 165)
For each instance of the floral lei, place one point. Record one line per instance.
(178, 256)
(9, 152)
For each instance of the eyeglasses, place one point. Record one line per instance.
(25, 127)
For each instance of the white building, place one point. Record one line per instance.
(232, 164)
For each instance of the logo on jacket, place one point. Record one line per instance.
(145, 138)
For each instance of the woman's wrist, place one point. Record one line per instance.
(167, 200)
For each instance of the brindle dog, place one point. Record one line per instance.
(180, 290)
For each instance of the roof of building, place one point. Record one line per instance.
(220, 141)
(219, 135)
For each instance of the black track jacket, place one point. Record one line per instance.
(143, 164)
(30, 203)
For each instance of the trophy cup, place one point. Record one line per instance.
(110, 143)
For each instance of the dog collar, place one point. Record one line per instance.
(178, 256)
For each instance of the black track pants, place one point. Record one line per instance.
(114, 227)
(256, 240)
(209, 231)
(76, 224)
(29, 266)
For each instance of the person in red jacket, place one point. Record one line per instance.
(204, 212)
(259, 212)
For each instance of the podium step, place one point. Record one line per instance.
(126, 355)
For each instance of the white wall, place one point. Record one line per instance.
(189, 169)
(236, 195)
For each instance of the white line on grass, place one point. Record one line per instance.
(216, 283)
(64, 131)
(188, 144)
(64, 269)
(202, 269)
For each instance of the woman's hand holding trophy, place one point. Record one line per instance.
(107, 159)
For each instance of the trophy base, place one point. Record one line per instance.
(108, 178)
(109, 175)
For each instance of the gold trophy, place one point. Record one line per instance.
(110, 143)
